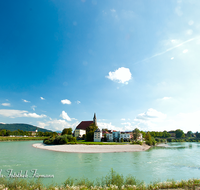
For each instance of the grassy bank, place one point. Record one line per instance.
(21, 138)
(111, 181)
(100, 143)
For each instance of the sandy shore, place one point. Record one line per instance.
(81, 148)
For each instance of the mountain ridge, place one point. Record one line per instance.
(22, 126)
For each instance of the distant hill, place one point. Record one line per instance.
(21, 126)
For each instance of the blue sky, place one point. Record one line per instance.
(134, 63)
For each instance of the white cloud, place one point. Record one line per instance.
(151, 114)
(123, 119)
(186, 121)
(65, 101)
(78, 102)
(65, 116)
(121, 75)
(185, 51)
(19, 113)
(172, 58)
(103, 125)
(42, 98)
(57, 125)
(150, 120)
(5, 104)
(25, 101)
(128, 126)
(33, 107)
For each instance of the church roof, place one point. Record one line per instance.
(84, 124)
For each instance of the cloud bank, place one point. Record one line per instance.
(57, 125)
(19, 113)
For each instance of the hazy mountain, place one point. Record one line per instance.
(21, 126)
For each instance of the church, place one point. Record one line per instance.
(81, 128)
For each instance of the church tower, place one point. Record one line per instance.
(95, 119)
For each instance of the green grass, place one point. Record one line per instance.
(112, 180)
(100, 143)
(21, 138)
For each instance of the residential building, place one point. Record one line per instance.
(97, 135)
(109, 137)
(125, 136)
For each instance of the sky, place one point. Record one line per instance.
(133, 63)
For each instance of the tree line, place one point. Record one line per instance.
(4, 132)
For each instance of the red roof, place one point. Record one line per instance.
(84, 124)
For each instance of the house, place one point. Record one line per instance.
(109, 137)
(97, 135)
(125, 136)
(117, 136)
(34, 133)
(81, 128)
(140, 138)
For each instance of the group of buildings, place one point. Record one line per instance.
(111, 136)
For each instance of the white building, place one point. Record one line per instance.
(79, 132)
(124, 136)
(109, 137)
(97, 135)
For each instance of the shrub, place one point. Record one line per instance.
(63, 139)
(113, 179)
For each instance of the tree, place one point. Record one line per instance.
(143, 133)
(197, 134)
(136, 134)
(179, 133)
(40, 134)
(105, 138)
(3, 132)
(166, 134)
(67, 131)
(189, 134)
(90, 132)
(148, 139)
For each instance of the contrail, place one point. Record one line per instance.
(158, 54)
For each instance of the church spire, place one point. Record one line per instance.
(95, 119)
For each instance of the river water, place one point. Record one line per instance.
(176, 161)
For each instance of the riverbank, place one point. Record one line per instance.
(81, 148)
(21, 138)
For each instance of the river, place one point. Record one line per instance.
(176, 161)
